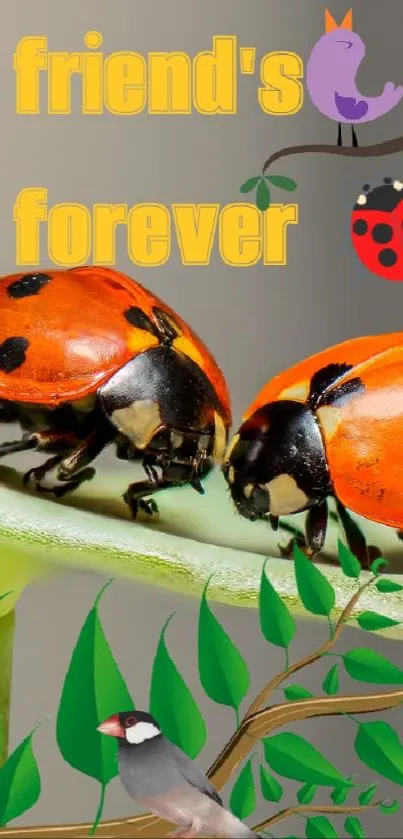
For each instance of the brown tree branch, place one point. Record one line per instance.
(377, 150)
(317, 808)
(250, 733)
(264, 694)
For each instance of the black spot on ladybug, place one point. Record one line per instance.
(167, 327)
(360, 227)
(136, 317)
(28, 285)
(387, 257)
(12, 353)
(323, 379)
(382, 233)
(324, 389)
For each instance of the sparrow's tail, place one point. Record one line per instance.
(235, 829)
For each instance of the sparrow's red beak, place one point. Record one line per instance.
(112, 727)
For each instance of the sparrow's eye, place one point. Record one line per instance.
(130, 721)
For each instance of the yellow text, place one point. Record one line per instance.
(76, 234)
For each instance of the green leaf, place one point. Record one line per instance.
(20, 782)
(223, 672)
(315, 591)
(339, 795)
(377, 745)
(320, 828)
(366, 665)
(385, 585)
(378, 565)
(354, 828)
(350, 565)
(293, 757)
(388, 808)
(263, 196)
(366, 796)
(172, 704)
(282, 182)
(373, 621)
(307, 793)
(276, 622)
(250, 184)
(93, 690)
(6, 594)
(271, 789)
(331, 680)
(243, 796)
(293, 692)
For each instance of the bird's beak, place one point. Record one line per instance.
(112, 727)
(330, 23)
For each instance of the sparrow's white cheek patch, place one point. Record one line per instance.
(141, 731)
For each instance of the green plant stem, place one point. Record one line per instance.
(99, 811)
(350, 716)
(287, 658)
(7, 624)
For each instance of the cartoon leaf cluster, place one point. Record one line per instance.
(94, 689)
(260, 183)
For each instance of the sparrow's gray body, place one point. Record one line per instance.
(161, 778)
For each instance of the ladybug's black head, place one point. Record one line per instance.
(276, 463)
(384, 197)
(165, 406)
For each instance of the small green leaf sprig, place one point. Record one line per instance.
(260, 183)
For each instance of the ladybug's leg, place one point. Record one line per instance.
(17, 446)
(136, 493)
(316, 527)
(46, 440)
(354, 137)
(71, 468)
(339, 138)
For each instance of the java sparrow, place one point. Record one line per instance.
(163, 780)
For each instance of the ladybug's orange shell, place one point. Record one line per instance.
(363, 436)
(78, 335)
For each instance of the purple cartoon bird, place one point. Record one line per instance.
(330, 77)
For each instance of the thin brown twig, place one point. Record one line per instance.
(264, 694)
(317, 808)
(376, 150)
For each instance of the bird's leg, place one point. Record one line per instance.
(192, 831)
(339, 138)
(354, 137)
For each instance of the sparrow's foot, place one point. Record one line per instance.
(192, 831)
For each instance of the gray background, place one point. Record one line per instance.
(256, 321)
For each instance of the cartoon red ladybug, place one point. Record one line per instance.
(88, 358)
(377, 229)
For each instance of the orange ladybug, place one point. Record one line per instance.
(331, 425)
(89, 357)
